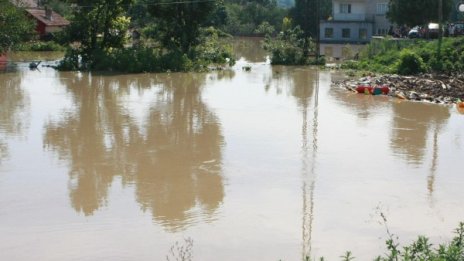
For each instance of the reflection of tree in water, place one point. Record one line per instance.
(174, 159)
(13, 109)
(297, 81)
(183, 146)
(411, 124)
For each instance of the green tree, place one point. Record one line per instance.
(243, 17)
(15, 27)
(179, 23)
(99, 25)
(425, 11)
(307, 13)
(290, 48)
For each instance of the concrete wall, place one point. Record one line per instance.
(335, 52)
(354, 28)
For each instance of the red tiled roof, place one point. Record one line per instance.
(56, 19)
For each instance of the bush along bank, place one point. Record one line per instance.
(419, 250)
(411, 57)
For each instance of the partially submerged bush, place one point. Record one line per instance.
(148, 59)
(291, 48)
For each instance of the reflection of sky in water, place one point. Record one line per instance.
(122, 167)
(137, 104)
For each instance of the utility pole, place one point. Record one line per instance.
(440, 26)
(318, 37)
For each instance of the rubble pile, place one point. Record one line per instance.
(431, 88)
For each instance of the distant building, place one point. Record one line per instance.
(47, 21)
(355, 21)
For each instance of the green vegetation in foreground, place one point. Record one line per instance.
(419, 250)
(409, 57)
(417, 12)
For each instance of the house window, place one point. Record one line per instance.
(381, 31)
(382, 8)
(329, 32)
(363, 33)
(346, 33)
(345, 8)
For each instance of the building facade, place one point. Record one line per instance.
(355, 21)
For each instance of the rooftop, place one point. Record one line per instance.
(56, 19)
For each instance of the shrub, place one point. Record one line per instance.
(291, 48)
(412, 56)
(147, 59)
(410, 63)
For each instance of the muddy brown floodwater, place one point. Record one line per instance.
(262, 165)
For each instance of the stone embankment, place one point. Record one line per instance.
(431, 88)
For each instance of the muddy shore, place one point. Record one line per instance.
(442, 89)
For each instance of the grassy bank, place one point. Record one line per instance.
(39, 46)
(408, 57)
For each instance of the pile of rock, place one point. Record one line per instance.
(432, 88)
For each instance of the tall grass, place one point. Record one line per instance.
(411, 56)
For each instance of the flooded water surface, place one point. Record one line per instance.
(266, 164)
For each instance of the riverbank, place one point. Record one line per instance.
(442, 89)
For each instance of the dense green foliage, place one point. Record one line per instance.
(307, 13)
(411, 56)
(178, 25)
(174, 37)
(210, 50)
(97, 26)
(243, 17)
(15, 27)
(410, 63)
(290, 48)
(425, 11)
(171, 33)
